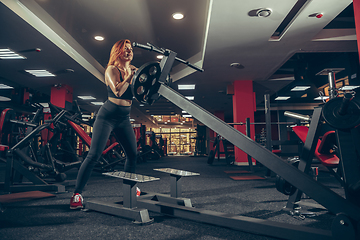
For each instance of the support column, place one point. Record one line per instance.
(62, 96)
(244, 106)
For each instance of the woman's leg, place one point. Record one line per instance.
(126, 136)
(100, 135)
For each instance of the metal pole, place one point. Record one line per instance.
(332, 84)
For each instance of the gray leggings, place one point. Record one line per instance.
(111, 117)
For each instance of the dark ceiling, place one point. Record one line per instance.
(213, 35)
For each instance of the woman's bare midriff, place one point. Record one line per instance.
(121, 102)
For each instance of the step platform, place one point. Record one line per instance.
(175, 189)
(128, 208)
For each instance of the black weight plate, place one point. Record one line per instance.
(342, 227)
(331, 114)
(145, 82)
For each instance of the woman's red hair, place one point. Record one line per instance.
(116, 50)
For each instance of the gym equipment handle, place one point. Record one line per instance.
(345, 104)
(297, 116)
(151, 47)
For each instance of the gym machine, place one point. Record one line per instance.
(112, 156)
(150, 82)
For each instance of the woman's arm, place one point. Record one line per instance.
(112, 79)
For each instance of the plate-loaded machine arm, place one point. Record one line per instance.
(323, 195)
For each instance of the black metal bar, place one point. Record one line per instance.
(349, 165)
(175, 186)
(241, 223)
(268, 121)
(248, 133)
(129, 189)
(307, 152)
(323, 195)
(162, 51)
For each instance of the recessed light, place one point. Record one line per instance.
(9, 54)
(40, 73)
(190, 97)
(4, 99)
(300, 88)
(283, 98)
(86, 97)
(237, 65)
(178, 16)
(3, 86)
(265, 12)
(97, 103)
(186, 86)
(99, 38)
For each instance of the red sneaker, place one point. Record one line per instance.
(138, 192)
(76, 201)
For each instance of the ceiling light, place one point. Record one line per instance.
(3, 86)
(4, 99)
(263, 12)
(190, 97)
(237, 65)
(300, 88)
(321, 98)
(186, 86)
(141, 105)
(86, 97)
(45, 105)
(348, 88)
(40, 73)
(283, 98)
(160, 56)
(183, 112)
(132, 120)
(85, 119)
(9, 54)
(86, 116)
(99, 38)
(97, 103)
(178, 16)
(187, 116)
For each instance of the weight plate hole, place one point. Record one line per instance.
(140, 90)
(152, 70)
(143, 78)
(153, 81)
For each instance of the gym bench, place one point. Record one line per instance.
(128, 208)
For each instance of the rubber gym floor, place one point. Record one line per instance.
(51, 218)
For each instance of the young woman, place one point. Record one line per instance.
(114, 116)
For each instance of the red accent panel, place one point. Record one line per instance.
(328, 160)
(82, 134)
(3, 148)
(60, 94)
(86, 138)
(356, 5)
